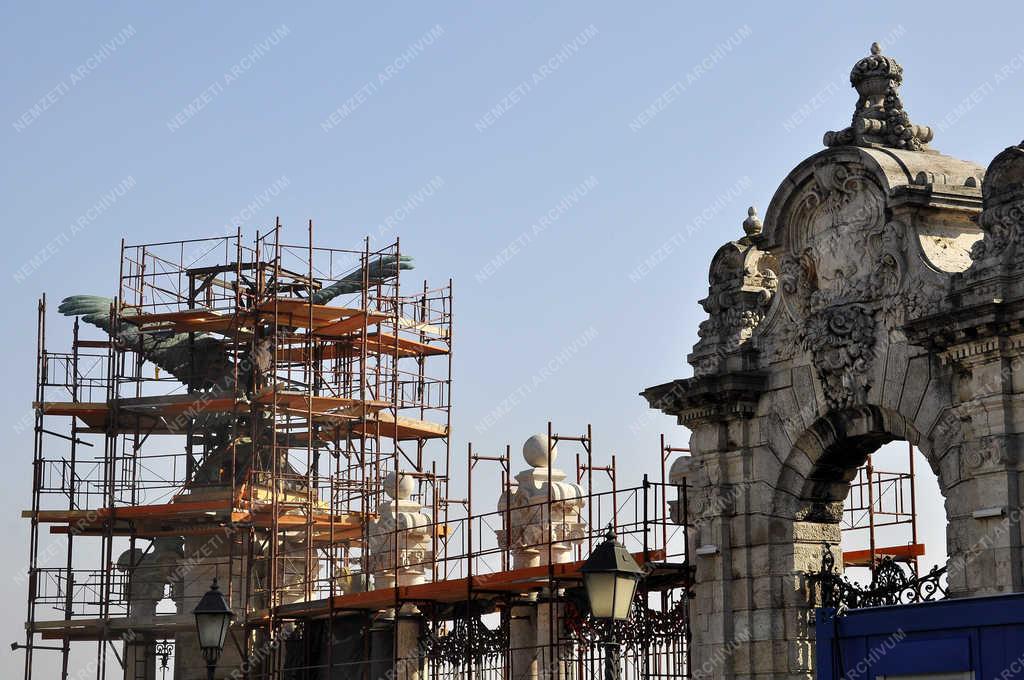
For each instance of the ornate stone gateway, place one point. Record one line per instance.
(882, 298)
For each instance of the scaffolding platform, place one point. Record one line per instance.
(907, 554)
(449, 591)
(292, 387)
(163, 415)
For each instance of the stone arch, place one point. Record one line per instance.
(819, 464)
(804, 366)
(881, 298)
(834, 446)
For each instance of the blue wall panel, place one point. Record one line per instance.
(984, 635)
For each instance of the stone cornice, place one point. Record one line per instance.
(967, 325)
(708, 398)
(933, 195)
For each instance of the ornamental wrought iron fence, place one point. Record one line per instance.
(890, 585)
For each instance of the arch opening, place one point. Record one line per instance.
(876, 489)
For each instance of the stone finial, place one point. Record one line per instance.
(399, 539)
(752, 226)
(539, 452)
(542, 513)
(398, 486)
(879, 119)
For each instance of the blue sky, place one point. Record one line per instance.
(532, 125)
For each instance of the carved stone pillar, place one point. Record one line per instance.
(399, 540)
(150, 575)
(978, 333)
(539, 531)
(725, 530)
(543, 523)
(400, 555)
(139, 657)
(208, 557)
(409, 660)
(550, 663)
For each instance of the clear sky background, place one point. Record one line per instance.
(760, 84)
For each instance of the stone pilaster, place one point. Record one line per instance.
(409, 660)
(139, 657)
(522, 633)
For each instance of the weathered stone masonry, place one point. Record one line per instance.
(881, 299)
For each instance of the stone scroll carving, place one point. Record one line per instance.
(1002, 219)
(743, 280)
(841, 277)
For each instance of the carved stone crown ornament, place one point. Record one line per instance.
(880, 119)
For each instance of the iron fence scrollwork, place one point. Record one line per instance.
(890, 585)
(644, 628)
(469, 641)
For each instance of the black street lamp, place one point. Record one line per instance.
(213, 616)
(610, 577)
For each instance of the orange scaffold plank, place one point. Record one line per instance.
(190, 320)
(163, 414)
(376, 343)
(327, 321)
(451, 590)
(197, 517)
(900, 553)
(383, 424)
(293, 312)
(156, 419)
(299, 401)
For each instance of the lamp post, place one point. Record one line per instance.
(610, 577)
(213, 616)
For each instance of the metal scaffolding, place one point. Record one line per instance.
(883, 499)
(228, 408)
(239, 417)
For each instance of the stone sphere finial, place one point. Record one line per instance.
(398, 486)
(752, 226)
(539, 451)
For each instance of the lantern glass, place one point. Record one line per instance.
(600, 588)
(610, 594)
(213, 616)
(625, 589)
(610, 576)
(212, 629)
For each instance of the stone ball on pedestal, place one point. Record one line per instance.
(399, 486)
(539, 451)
